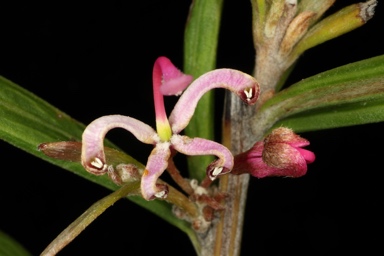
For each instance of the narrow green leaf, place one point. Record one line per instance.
(10, 247)
(85, 219)
(200, 47)
(27, 121)
(318, 7)
(332, 117)
(349, 95)
(339, 23)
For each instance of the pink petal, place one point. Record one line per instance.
(260, 169)
(254, 165)
(156, 164)
(173, 81)
(199, 146)
(162, 124)
(244, 85)
(309, 156)
(167, 80)
(93, 155)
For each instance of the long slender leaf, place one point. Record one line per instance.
(84, 220)
(346, 115)
(27, 121)
(9, 247)
(201, 39)
(349, 95)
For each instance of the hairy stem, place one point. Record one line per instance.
(224, 238)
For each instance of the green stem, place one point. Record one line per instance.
(76, 227)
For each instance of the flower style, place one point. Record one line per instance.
(168, 80)
(280, 154)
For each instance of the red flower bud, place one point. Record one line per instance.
(279, 154)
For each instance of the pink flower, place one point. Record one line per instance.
(168, 80)
(279, 154)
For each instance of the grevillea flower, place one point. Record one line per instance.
(279, 154)
(168, 80)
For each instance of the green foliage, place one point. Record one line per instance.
(200, 46)
(27, 121)
(9, 247)
(349, 95)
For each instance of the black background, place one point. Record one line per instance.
(93, 59)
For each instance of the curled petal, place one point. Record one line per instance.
(244, 85)
(92, 153)
(156, 164)
(173, 81)
(199, 146)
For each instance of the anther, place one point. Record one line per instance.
(162, 191)
(161, 194)
(216, 171)
(98, 164)
(248, 94)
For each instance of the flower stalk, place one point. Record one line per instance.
(278, 27)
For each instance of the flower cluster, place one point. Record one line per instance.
(168, 80)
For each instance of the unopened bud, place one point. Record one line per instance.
(280, 154)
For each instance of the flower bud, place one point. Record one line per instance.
(279, 154)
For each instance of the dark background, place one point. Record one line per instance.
(95, 59)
